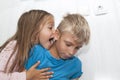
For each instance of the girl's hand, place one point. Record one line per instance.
(34, 74)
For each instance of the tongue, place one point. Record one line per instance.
(51, 40)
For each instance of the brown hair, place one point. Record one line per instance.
(27, 33)
(75, 24)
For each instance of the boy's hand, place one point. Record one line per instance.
(34, 74)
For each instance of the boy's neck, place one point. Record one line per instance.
(53, 52)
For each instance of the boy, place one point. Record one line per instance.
(71, 34)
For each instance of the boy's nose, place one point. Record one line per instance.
(72, 52)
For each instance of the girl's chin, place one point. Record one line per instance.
(48, 46)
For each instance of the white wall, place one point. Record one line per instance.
(101, 57)
(101, 62)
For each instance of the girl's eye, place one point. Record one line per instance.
(50, 27)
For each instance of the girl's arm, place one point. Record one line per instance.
(32, 73)
(35, 74)
(13, 76)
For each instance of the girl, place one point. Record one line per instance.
(34, 27)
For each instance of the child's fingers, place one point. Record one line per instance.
(45, 77)
(46, 73)
(36, 64)
(44, 70)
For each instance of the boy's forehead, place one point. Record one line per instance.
(70, 36)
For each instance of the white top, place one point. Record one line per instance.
(4, 56)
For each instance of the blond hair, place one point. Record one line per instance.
(76, 24)
(27, 33)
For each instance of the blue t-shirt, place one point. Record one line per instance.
(63, 69)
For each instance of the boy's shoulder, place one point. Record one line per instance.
(76, 65)
(77, 60)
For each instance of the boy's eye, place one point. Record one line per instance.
(78, 47)
(68, 45)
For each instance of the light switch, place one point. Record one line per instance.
(101, 7)
(100, 10)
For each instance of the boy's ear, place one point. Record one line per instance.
(57, 34)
